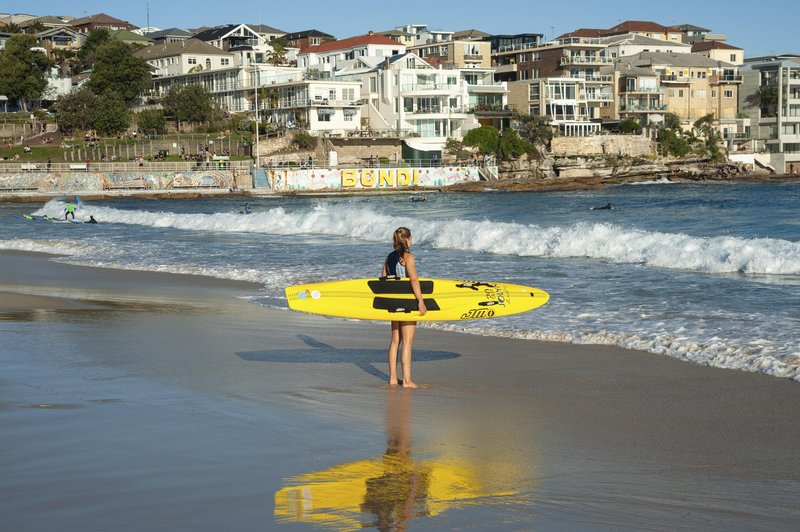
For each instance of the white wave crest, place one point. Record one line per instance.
(54, 247)
(603, 241)
(759, 357)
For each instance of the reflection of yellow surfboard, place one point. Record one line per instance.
(382, 491)
(392, 299)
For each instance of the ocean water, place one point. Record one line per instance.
(706, 272)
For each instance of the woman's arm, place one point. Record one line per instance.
(385, 270)
(411, 270)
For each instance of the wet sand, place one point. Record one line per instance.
(141, 401)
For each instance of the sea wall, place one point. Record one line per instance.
(99, 181)
(630, 145)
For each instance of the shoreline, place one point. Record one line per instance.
(502, 185)
(164, 403)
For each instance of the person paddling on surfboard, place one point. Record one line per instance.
(400, 263)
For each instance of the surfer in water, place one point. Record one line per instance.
(69, 211)
(607, 206)
(400, 263)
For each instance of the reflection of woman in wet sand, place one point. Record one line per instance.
(400, 493)
(400, 263)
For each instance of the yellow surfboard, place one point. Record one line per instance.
(393, 300)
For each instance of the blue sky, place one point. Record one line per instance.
(758, 27)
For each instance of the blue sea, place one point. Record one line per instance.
(707, 272)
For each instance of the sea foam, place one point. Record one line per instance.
(581, 240)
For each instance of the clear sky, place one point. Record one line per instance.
(768, 26)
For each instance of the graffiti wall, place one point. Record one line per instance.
(369, 178)
(99, 182)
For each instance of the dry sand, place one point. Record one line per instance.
(139, 401)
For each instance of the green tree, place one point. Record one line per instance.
(672, 121)
(512, 146)
(453, 146)
(74, 110)
(767, 100)
(151, 120)
(277, 56)
(118, 71)
(534, 129)
(630, 126)
(485, 138)
(23, 72)
(189, 103)
(710, 137)
(111, 115)
(94, 40)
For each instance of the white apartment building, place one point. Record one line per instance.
(408, 96)
(770, 96)
(333, 55)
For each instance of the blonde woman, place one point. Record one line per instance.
(400, 263)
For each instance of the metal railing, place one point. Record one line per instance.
(644, 108)
(428, 87)
(585, 60)
(122, 167)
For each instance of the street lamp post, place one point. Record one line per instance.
(258, 153)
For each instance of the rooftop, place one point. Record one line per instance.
(189, 46)
(351, 42)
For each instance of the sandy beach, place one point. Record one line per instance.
(147, 401)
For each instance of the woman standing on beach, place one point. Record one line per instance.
(400, 263)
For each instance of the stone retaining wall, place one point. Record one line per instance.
(630, 145)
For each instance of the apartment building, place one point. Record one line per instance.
(307, 38)
(646, 28)
(168, 35)
(694, 85)
(513, 55)
(691, 33)
(329, 56)
(770, 96)
(456, 53)
(182, 57)
(407, 96)
(100, 21)
(719, 51)
(632, 44)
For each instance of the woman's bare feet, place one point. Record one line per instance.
(393, 382)
(409, 384)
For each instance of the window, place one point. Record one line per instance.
(208, 64)
(672, 93)
(680, 93)
(192, 61)
(700, 93)
(733, 58)
(314, 41)
(713, 93)
(324, 114)
(728, 93)
(225, 61)
(348, 94)
(332, 94)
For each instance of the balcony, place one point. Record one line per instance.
(643, 90)
(517, 47)
(505, 69)
(436, 110)
(596, 96)
(426, 87)
(729, 78)
(585, 60)
(594, 78)
(675, 78)
(652, 108)
(473, 57)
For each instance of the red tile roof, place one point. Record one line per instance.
(350, 42)
(583, 32)
(704, 46)
(630, 26)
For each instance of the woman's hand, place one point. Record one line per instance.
(422, 308)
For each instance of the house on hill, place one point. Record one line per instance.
(100, 21)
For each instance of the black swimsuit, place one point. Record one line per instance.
(393, 265)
